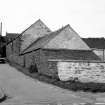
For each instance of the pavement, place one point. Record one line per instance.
(23, 90)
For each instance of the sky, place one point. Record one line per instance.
(86, 17)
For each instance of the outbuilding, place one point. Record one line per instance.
(18, 42)
(97, 45)
(63, 45)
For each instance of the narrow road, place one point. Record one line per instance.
(24, 90)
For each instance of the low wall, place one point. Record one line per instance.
(85, 72)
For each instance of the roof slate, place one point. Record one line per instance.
(98, 43)
(70, 54)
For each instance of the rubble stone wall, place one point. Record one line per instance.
(16, 59)
(84, 71)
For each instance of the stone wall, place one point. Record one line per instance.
(16, 59)
(8, 50)
(16, 45)
(84, 71)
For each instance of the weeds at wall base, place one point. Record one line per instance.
(70, 85)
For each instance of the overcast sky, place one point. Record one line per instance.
(86, 17)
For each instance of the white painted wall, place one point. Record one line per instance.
(85, 72)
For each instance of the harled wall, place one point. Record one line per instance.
(84, 71)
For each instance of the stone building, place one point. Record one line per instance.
(24, 39)
(36, 30)
(97, 45)
(59, 47)
(61, 54)
(12, 45)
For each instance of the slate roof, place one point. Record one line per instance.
(71, 54)
(39, 20)
(98, 43)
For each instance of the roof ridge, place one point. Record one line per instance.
(60, 29)
(39, 20)
(78, 36)
(29, 27)
(26, 29)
